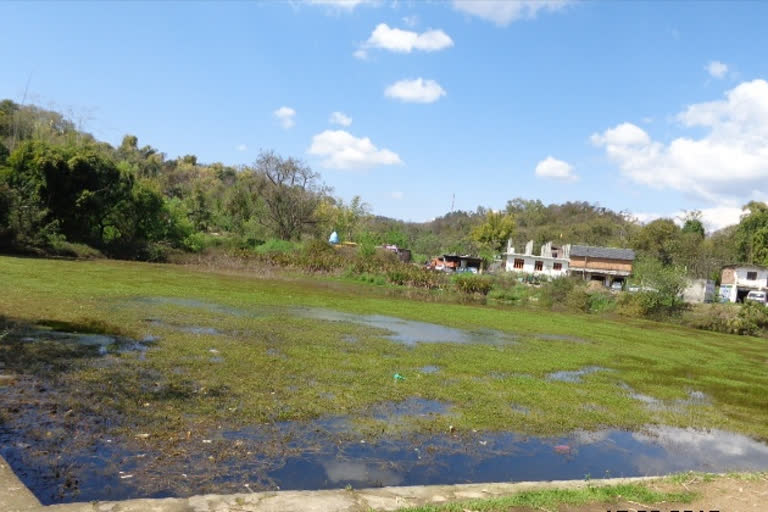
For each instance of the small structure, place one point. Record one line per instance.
(604, 264)
(551, 261)
(736, 281)
(403, 255)
(456, 263)
(699, 291)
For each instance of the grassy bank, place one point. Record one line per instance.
(240, 356)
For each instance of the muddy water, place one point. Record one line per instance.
(330, 453)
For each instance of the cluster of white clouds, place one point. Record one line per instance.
(555, 169)
(717, 69)
(500, 12)
(724, 161)
(417, 90)
(285, 116)
(404, 41)
(724, 165)
(342, 150)
(340, 118)
(344, 5)
(504, 12)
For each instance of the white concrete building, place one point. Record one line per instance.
(550, 262)
(736, 281)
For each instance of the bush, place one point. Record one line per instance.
(601, 301)
(404, 274)
(555, 292)
(472, 284)
(275, 245)
(746, 319)
(650, 304)
(578, 300)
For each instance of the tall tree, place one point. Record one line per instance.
(290, 191)
(495, 231)
(752, 234)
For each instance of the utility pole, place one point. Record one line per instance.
(453, 201)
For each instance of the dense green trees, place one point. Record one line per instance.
(752, 234)
(59, 186)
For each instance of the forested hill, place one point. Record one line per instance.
(63, 191)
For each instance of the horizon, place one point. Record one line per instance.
(656, 116)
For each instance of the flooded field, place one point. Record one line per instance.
(68, 455)
(63, 462)
(126, 388)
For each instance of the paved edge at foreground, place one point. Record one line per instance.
(15, 497)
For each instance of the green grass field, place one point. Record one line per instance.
(267, 364)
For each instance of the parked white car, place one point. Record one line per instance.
(757, 296)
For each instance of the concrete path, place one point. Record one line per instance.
(15, 497)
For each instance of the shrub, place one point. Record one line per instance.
(274, 245)
(650, 304)
(747, 319)
(472, 284)
(601, 301)
(578, 300)
(555, 292)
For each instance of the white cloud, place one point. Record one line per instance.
(717, 69)
(404, 41)
(341, 5)
(625, 134)
(727, 165)
(340, 118)
(415, 91)
(397, 195)
(504, 12)
(360, 54)
(555, 169)
(285, 115)
(242, 147)
(411, 21)
(342, 150)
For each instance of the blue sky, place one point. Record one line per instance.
(652, 107)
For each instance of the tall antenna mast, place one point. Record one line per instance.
(453, 201)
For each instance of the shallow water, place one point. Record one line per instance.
(410, 332)
(574, 376)
(328, 454)
(101, 342)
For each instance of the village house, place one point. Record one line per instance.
(551, 261)
(605, 264)
(736, 281)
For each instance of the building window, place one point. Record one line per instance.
(519, 263)
(538, 266)
(751, 276)
(557, 266)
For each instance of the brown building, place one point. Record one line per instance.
(606, 264)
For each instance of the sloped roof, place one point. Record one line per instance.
(609, 253)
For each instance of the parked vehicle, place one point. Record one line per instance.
(757, 296)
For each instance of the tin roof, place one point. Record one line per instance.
(609, 253)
